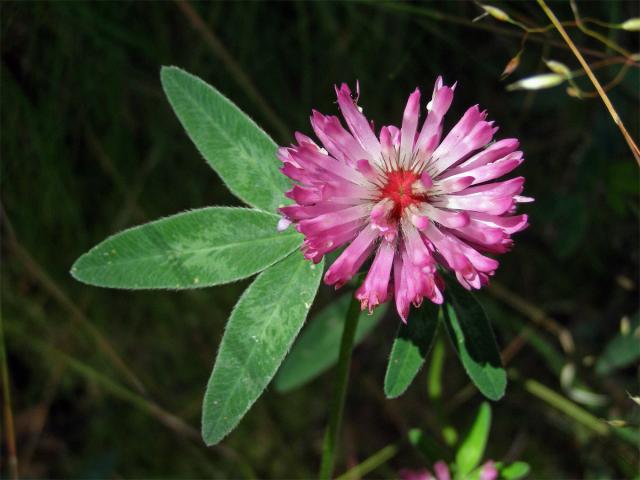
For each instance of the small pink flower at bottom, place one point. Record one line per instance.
(407, 474)
(406, 196)
(489, 471)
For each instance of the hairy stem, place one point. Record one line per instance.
(340, 390)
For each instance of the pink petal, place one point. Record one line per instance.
(375, 288)
(442, 471)
(409, 127)
(349, 261)
(357, 122)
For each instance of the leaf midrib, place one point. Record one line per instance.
(179, 253)
(244, 368)
(237, 145)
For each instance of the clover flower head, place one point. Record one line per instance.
(408, 197)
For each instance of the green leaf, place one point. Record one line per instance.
(515, 471)
(436, 365)
(234, 146)
(474, 342)
(472, 448)
(410, 348)
(262, 327)
(622, 350)
(193, 249)
(318, 347)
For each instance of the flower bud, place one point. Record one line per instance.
(537, 82)
(511, 66)
(496, 13)
(559, 68)
(631, 25)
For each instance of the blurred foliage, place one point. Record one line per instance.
(110, 383)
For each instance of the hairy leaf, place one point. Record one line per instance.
(234, 146)
(259, 333)
(193, 249)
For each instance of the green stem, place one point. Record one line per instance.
(566, 406)
(371, 463)
(340, 390)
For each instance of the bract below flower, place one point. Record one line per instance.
(407, 196)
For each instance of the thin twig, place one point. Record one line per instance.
(168, 419)
(603, 95)
(533, 313)
(592, 33)
(615, 81)
(241, 77)
(10, 435)
(434, 14)
(38, 274)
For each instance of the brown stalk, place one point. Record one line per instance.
(10, 436)
(236, 70)
(603, 95)
(40, 276)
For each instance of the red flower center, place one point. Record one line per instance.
(399, 189)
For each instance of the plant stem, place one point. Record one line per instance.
(12, 457)
(371, 463)
(340, 390)
(234, 67)
(603, 95)
(566, 406)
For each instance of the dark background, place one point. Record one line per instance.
(91, 146)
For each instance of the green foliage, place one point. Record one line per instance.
(318, 346)
(410, 348)
(474, 342)
(87, 152)
(622, 350)
(234, 146)
(258, 335)
(514, 471)
(194, 249)
(471, 450)
(569, 214)
(434, 387)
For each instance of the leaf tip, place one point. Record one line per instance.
(391, 391)
(76, 269)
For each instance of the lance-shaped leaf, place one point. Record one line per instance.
(474, 342)
(259, 333)
(193, 249)
(472, 448)
(234, 146)
(410, 348)
(318, 346)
